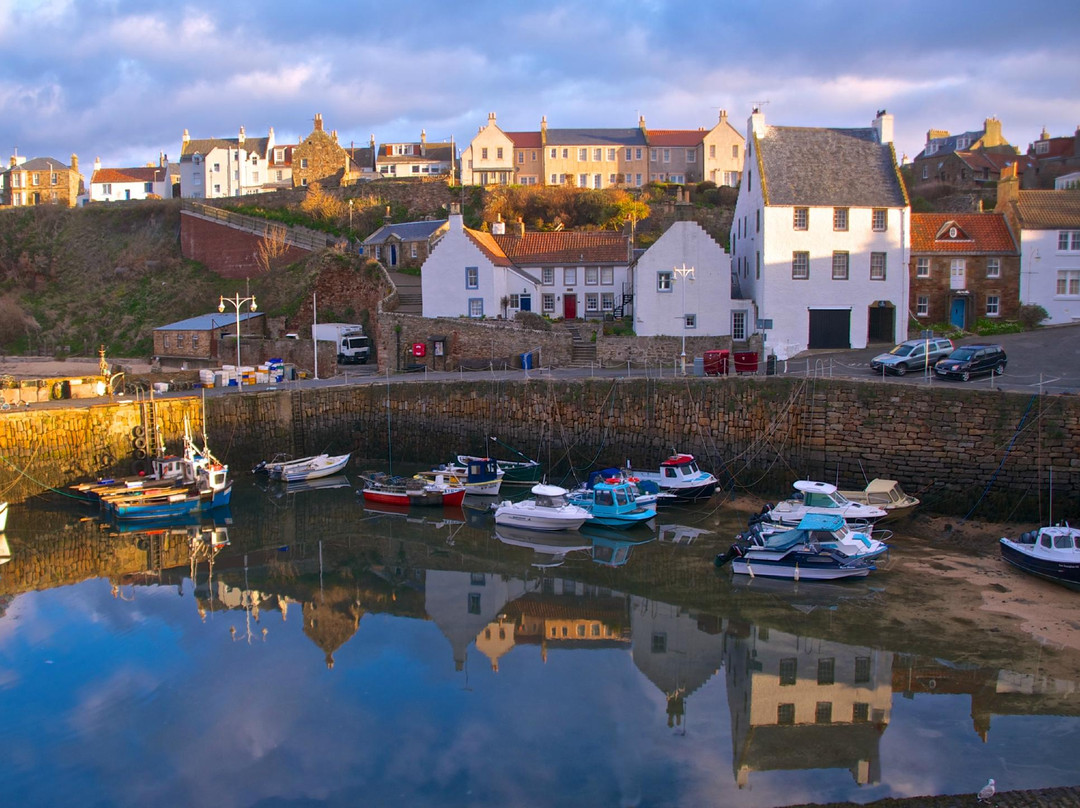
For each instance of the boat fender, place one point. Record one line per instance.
(140, 467)
(106, 459)
(139, 442)
(138, 432)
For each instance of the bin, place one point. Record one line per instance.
(526, 361)
(746, 362)
(716, 363)
(699, 366)
(770, 365)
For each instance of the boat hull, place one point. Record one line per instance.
(170, 507)
(542, 522)
(313, 470)
(1060, 572)
(802, 570)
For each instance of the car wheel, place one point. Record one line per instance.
(900, 369)
(965, 376)
(1000, 369)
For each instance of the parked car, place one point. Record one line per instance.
(912, 355)
(972, 360)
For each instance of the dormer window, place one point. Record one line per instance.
(197, 159)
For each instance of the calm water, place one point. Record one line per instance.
(335, 655)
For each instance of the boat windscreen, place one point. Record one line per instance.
(785, 540)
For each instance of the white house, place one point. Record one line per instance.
(671, 301)
(113, 184)
(820, 236)
(571, 274)
(1048, 224)
(211, 168)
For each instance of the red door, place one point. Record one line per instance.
(569, 307)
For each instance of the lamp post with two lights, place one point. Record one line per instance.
(237, 302)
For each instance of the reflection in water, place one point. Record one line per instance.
(435, 631)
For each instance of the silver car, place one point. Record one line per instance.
(915, 354)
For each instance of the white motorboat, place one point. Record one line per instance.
(885, 494)
(549, 509)
(309, 468)
(1051, 552)
(678, 475)
(823, 498)
(828, 532)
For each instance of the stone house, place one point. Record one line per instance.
(196, 342)
(212, 168)
(693, 155)
(937, 169)
(1048, 225)
(319, 158)
(1053, 157)
(122, 184)
(404, 244)
(40, 181)
(595, 158)
(963, 267)
(819, 238)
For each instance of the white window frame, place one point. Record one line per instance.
(689, 320)
(800, 218)
(878, 266)
(880, 220)
(993, 267)
(840, 218)
(665, 281)
(1068, 240)
(738, 325)
(993, 305)
(841, 265)
(582, 154)
(476, 307)
(1068, 283)
(800, 265)
(922, 306)
(472, 277)
(569, 276)
(922, 267)
(592, 302)
(607, 276)
(548, 301)
(592, 276)
(607, 301)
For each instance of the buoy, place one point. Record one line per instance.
(796, 570)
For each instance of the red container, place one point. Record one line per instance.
(716, 362)
(746, 362)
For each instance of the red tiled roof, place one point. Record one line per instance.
(564, 247)
(676, 137)
(118, 175)
(978, 233)
(525, 140)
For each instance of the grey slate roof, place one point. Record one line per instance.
(595, 137)
(208, 322)
(39, 164)
(405, 231)
(203, 146)
(828, 167)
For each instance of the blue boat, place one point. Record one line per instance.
(169, 506)
(612, 504)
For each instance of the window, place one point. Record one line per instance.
(476, 307)
(194, 340)
(607, 301)
(611, 155)
(654, 155)
(165, 341)
(569, 276)
(826, 671)
(499, 153)
(592, 276)
(735, 152)
(582, 154)
(839, 218)
(554, 153)
(613, 179)
(800, 266)
(515, 301)
(689, 321)
(658, 643)
(862, 670)
(785, 714)
(548, 276)
(412, 250)
(629, 154)
(881, 220)
(1069, 240)
(592, 302)
(583, 180)
(521, 157)
(823, 712)
(607, 276)
(304, 163)
(801, 218)
(637, 179)
(35, 179)
(378, 252)
(597, 154)
(637, 154)
(179, 340)
(757, 220)
(548, 302)
(106, 188)
(1068, 282)
(664, 281)
(667, 155)
(554, 179)
(922, 267)
(860, 712)
(992, 305)
(565, 154)
(597, 182)
(472, 277)
(993, 267)
(922, 306)
(474, 603)
(691, 156)
(840, 266)
(877, 266)
(483, 154)
(55, 178)
(279, 176)
(789, 667)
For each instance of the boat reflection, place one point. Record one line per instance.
(550, 548)
(680, 534)
(612, 548)
(278, 489)
(803, 595)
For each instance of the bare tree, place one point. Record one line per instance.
(271, 246)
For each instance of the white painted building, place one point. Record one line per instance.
(212, 168)
(489, 158)
(820, 236)
(122, 184)
(671, 302)
(1048, 224)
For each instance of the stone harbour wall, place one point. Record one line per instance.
(949, 445)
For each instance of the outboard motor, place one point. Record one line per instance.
(734, 551)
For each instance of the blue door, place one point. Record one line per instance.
(958, 312)
(526, 302)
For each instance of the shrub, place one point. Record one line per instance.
(530, 319)
(1031, 315)
(986, 327)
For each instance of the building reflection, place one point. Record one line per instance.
(805, 703)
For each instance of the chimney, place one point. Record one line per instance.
(243, 137)
(75, 163)
(992, 133)
(162, 161)
(318, 122)
(723, 116)
(756, 125)
(498, 227)
(333, 135)
(491, 119)
(1008, 188)
(186, 137)
(883, 125)
(521, 226)
(423, 136)
(97, 164)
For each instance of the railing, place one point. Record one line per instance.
(301, 237)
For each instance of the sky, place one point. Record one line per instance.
(122, 79)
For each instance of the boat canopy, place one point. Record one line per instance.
(787, 539)
(829, 522)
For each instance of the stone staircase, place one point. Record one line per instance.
(410, 298)
(582, 351)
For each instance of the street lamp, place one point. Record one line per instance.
(685, 273)
(237, 302)
(350, 218)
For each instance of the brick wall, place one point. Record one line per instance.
(229, 252)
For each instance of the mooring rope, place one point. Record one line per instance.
(1004, 457)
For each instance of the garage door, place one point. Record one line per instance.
(830, 328)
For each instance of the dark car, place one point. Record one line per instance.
(972, 360)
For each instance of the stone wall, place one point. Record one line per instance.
(227, 251)
(947, 445)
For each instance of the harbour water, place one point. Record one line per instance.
(308, 650)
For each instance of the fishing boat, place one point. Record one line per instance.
(1051, 552)
(812, 551)
(885, 494)
(407, 491)
(646, 493)
(817, 497)
(612, 504)
(525, 471)
(548, 509)
(308, 468)
(680, 476)
(481, 476)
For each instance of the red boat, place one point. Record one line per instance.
(407, 491)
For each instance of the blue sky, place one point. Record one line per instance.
(122, 79)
